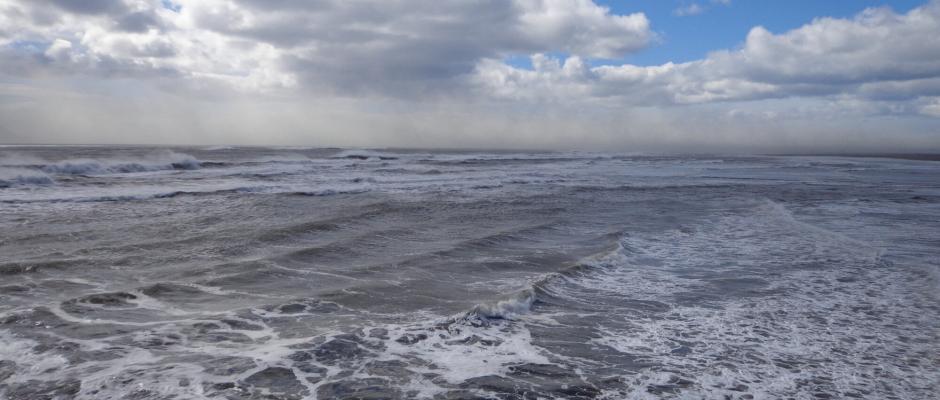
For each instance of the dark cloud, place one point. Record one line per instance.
(403, 48)
(89, 6)
(139, 21)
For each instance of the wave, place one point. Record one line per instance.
(518, 304)
(260, 161)
(540, 291)
(166, 161)
(328, 192)
(499, 159)
(181, 193)
(157, 161)
(283, 158)
(140, 196)
(601, 271)
(10, 177)
(365, 155)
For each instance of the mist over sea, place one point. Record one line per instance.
(296, 273)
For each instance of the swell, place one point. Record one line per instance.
(539, 290)
(372, 243)
(293, 231)
(370, 246)
(363, 250)
(489, 241)
(542, 291)
(501, 306)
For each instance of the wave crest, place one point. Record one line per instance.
(10, 177)
(162, 161)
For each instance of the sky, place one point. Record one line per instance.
(803, 76)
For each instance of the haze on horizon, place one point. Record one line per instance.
(543, 74)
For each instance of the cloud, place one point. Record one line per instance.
(435, 72)
(877, 55)
(86, 6)
(931, 106)
(409, 49)
(689, 9)
(390, 48)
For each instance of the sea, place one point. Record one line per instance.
(323, 273)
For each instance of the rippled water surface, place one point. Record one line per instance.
(295, 273)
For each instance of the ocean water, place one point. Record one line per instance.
(295, 273)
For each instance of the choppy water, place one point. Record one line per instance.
(253, 273)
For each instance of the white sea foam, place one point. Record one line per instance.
(459, 362)
(787, 342)
(29, 364)
(509, 308)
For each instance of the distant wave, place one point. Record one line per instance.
(365, 155)
(10, 177)
(495, 159)
(279, 159)
(119, 197)
(122, 197)
(329, 192)
(164, 160)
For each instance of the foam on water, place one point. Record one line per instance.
(809, 331)
(322, 273)
(28, 363)
(518, 304)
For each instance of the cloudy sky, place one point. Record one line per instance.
(655, 75)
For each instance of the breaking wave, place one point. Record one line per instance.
(158, 161)
(365, 155)
(10, 177)
(170, 161)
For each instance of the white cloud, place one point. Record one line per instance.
(582, 27)
(354, 68)
(877, 54)
(392, 48)
(413, 48)
(60, 49)
(688, 10)
(931, 107)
